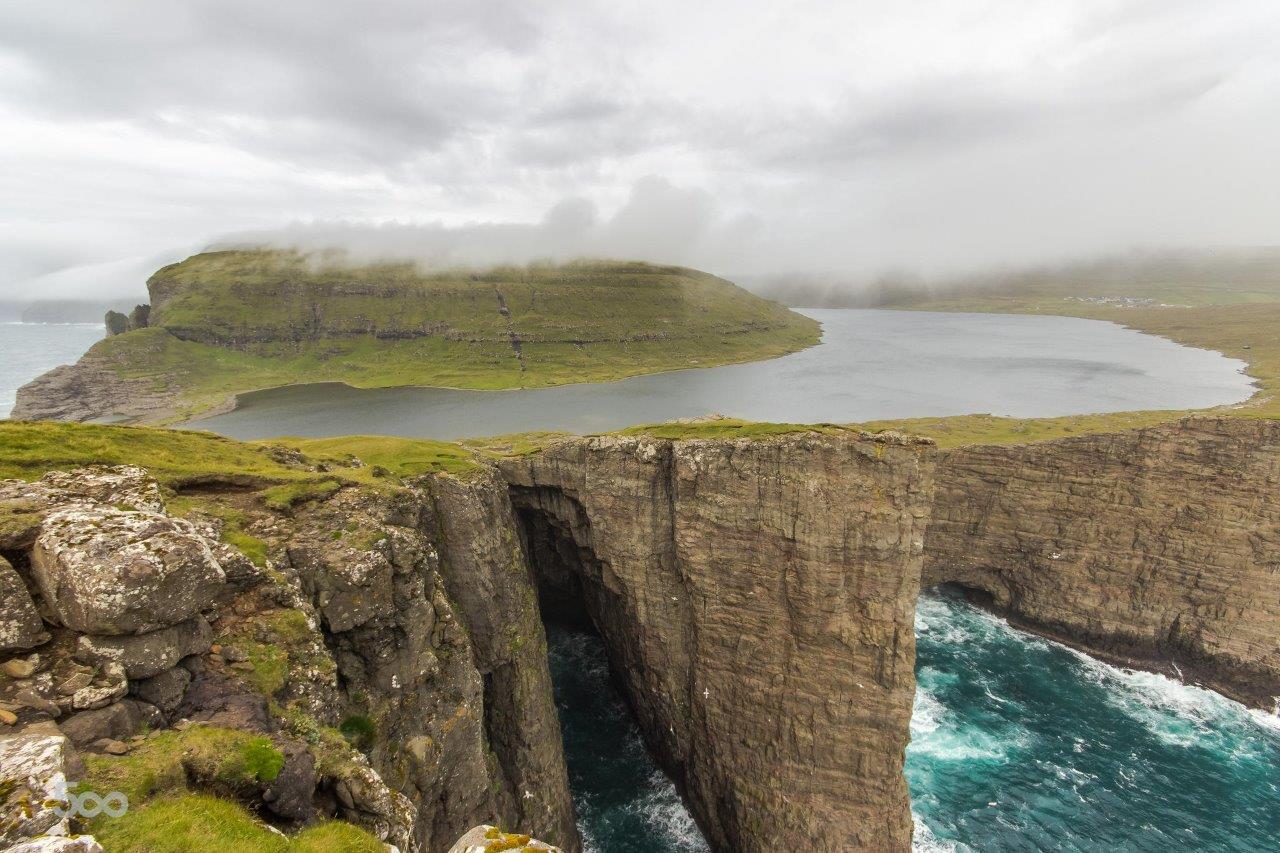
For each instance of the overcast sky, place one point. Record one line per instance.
(737, 136)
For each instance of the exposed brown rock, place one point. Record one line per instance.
(757, 600)
(489, 581)
(91, 389)
(1151, 545)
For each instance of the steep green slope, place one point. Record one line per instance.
(233, 321)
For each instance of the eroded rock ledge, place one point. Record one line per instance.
(1152, 547)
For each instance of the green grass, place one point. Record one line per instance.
(195, 823)
(726, 429)
(288, 495)
(30, 449)
(399, 457)
(164, 764)
(229, 322)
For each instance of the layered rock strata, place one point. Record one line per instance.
(757, 600)
(1150, 546)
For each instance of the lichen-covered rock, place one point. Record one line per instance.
(33, 786)
(489, 839)
(121, 486)
(145, 655)
(365, 799)
(110, 685)
(350, 583)
(108, 571)
(20, 515)
(20, 625)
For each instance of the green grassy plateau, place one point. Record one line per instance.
(233, 321)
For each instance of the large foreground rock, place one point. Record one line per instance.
(108, 571)
(485, 838)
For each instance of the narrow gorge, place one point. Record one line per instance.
(756, 597)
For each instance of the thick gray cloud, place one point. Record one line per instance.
(744, 137)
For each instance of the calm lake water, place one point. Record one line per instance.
(870, 365)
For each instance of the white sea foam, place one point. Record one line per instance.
(926, 713)
(924, 841)
(666, 815)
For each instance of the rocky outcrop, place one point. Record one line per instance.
(103, 570)
(490, 582)
(1150, 546)
(420, 664)
(757, 601)
(756, 597)
(405, 618)
(92, 389)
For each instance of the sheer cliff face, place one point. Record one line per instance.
(757, 601)
(1156, 544)
(430, 612)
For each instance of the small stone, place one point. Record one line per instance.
(218, 659)
(8, 718)
(233, 654)
(111, 746)
(74, 683)
(18, 668)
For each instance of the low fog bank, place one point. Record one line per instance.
(1148, 276)
(659, 222)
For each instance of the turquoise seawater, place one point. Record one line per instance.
(625, 804)
(1018, 744)
(1022, 744)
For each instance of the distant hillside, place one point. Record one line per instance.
(233, 321)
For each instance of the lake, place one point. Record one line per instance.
(871, 365)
